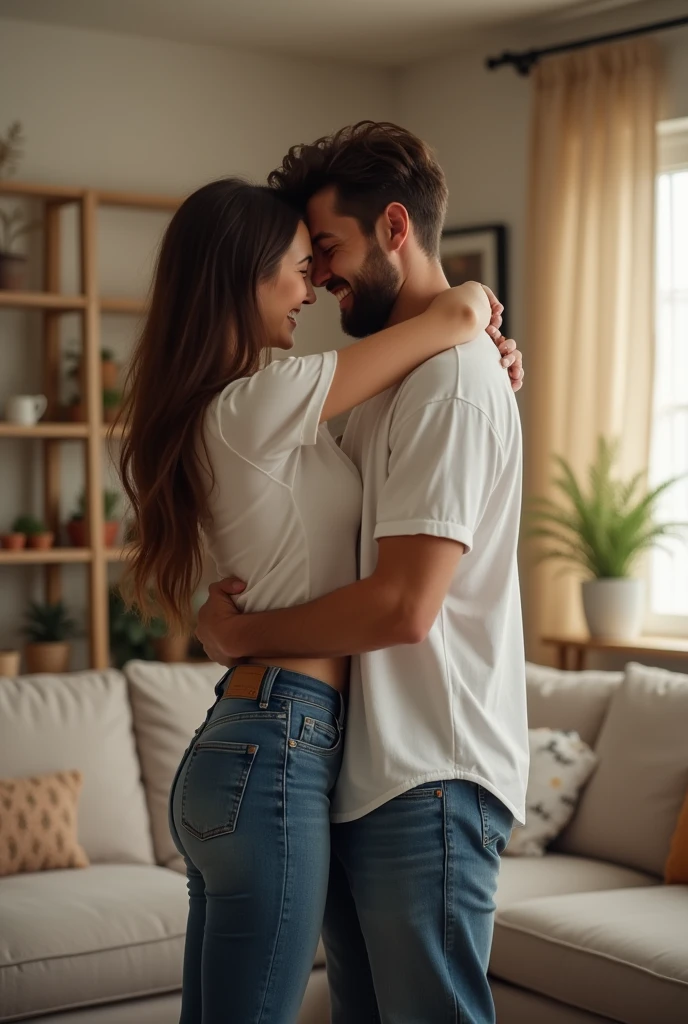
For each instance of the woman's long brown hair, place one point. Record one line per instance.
(202, 331)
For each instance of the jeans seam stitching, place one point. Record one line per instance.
(447, 896)
(285, 832)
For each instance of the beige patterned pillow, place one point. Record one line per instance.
(38, 823)
(560, 765)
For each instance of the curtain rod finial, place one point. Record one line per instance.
(522, 62)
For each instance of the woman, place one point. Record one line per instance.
(217, 445)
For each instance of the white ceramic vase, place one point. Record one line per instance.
(614, 608)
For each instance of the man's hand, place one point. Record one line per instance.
(217, 617)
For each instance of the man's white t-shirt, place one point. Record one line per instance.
(286, 506)
(441, 455)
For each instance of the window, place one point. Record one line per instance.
(669, 440)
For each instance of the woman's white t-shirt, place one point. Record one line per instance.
(286, 505)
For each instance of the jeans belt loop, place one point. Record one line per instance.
(267, 684)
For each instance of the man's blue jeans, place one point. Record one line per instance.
(410, 908)
(250, 814)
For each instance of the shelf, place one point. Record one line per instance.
(42, 300)
(111, 430)
(58, 430)
(51, 557)
(64, 431)
(53, 193)
(119, 554)
(133, 307)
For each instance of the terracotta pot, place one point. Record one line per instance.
(76, 531)
(171, 648)
(41, 541)
(9, 663)
(48, 657)
(13, 272)
(111, 531)
(14, 541)
(109, 371)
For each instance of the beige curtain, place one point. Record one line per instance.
(590, 282)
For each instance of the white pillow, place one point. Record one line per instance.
(560, 765)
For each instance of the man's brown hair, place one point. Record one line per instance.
(371, 164)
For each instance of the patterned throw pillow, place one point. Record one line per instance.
(560, 765)
(38, 823)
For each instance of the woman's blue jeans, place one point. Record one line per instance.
(250, 814)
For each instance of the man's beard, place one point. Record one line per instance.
(373, 294)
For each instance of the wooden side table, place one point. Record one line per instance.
(572, 651)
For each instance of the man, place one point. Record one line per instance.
(436, 754)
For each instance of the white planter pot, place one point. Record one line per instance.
(614, 608)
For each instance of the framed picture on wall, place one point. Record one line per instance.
(477, 254)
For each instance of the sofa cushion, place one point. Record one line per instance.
(621, 954)
(576, 701)
(676, 867)
(513, 1005)
(168, 702)
(38, 823)
(560, 765)
(77, 938)
(629, 810)
(556, 874)
(82, 721)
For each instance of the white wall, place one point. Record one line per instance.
(121, 112)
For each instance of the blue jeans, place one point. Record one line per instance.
(249, 812)
(410, 908)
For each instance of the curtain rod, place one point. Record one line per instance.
(526, 59)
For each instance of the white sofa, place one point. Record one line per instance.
(586, 934)
(104, 944)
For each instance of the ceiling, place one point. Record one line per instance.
(382, 32)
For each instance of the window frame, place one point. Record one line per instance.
(672, 156)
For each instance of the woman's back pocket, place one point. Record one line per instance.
(214, 787)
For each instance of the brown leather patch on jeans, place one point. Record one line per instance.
(245, 682)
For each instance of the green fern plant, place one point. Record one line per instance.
(13, 224)
(48, 623)
(11, 149)
(602, 528)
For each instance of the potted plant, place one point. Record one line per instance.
(13, 265)
(76, 527)
(108, 369)
(15, 540)
(10, 662)
(75, 409)
(112, 399)
(37, 536)
(130, 637)
(48, 628)
(11, 149)
(602, 529)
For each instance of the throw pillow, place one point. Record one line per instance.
(560, 765)
(38, 823)
(676, 869)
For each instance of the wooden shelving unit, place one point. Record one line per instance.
(91, 305)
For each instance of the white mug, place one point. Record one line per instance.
(25, 409)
